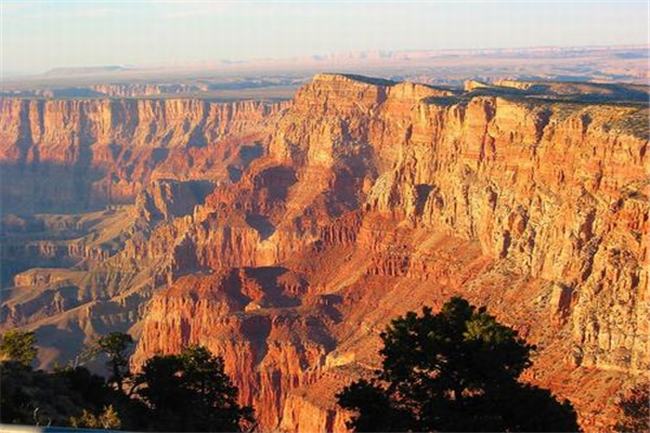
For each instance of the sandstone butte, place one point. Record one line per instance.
(284, 236)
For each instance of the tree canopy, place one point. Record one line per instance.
(184, 392)
(19, 346)
(37, 397)
(456, 370)
(116, 345)
(191, 392)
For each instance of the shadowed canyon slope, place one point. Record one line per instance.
(284, 237)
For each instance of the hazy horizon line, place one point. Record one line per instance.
(233, 62)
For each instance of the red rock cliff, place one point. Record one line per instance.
(385, 197)
(105, 150)
(372, 198)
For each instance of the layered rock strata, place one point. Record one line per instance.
(63, 154)
(386, 196)
(375, 198)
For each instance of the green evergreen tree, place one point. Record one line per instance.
(456, 370)
(191, 392)
(116, 346)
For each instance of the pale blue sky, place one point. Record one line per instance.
(38, 35)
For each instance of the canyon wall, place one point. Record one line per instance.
(387, 196)
(368, 199)
(63, 154)
(84, 182)
(130, 90)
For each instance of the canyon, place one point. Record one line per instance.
(284, 235)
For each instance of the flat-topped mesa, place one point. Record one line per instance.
(396, 89)
(341, 92)
(515, 84)
(346, 85)
(352, 79)
(336, 114)
(567, 91)
(416, 91)
(470, 85)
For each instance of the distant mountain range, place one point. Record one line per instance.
(628, 63)
(85, 70)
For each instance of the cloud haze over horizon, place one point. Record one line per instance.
(38, 35)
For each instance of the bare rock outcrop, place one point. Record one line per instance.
(81, 153)
(374, 198)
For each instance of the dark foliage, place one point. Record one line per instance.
(18, 346)
(634, 410)
(37, 397)
(453, 371)
(190, 392)
(116, 345)
(377, 412)
(185, 392)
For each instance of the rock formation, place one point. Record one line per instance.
(372, 198)
(115, 146)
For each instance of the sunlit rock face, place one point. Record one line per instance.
(368, 199)
(83, 185)
(58, 154)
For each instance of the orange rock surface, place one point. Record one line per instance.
(374, 198)
(115, 146)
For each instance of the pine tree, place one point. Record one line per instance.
(456, 370)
